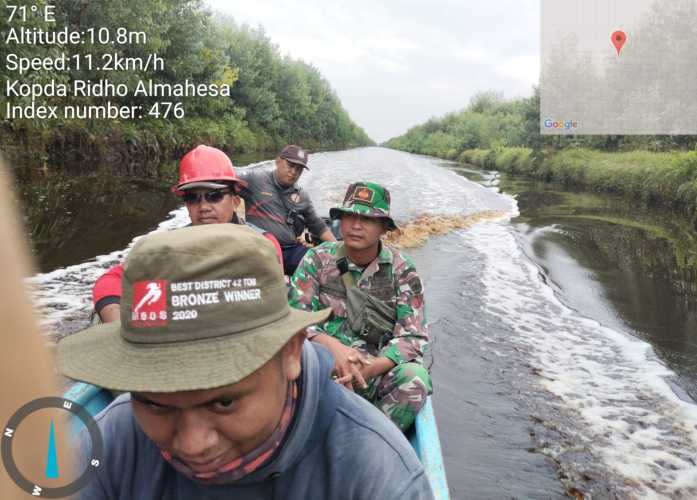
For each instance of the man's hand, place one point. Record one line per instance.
(348, 362)
(327, 236)
(110, 313)
(378, 366)
(302, 241)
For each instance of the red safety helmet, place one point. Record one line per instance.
(205, 166)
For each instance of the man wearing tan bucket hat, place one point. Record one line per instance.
(226, 398)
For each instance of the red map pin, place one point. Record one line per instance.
(619, 38)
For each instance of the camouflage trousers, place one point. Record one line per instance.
(400, 393)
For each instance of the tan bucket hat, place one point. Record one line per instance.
(202, 307)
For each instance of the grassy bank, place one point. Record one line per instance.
(149, 141)
(500, 134)
(127, 141)
(668, 179)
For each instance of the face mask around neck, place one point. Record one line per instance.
(249, 462)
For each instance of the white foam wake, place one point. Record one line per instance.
(634, 423)
(64, 296)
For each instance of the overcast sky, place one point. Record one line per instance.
(396, 63)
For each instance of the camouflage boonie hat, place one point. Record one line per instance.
(203, 307)
(367, 199)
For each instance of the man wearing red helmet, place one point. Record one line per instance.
(209, 186)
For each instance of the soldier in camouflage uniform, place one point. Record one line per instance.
(386, 369)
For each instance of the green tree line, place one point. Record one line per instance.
(504, 135)
(274, 99)
(490, 122)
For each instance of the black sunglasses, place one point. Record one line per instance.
(214, 196)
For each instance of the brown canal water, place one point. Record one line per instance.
(642, 263)
(563, 331)
(75, 212)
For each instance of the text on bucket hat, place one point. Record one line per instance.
(202, 307)
(368, 199)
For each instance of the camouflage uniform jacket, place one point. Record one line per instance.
(391, 277)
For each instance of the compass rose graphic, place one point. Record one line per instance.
(12, 438)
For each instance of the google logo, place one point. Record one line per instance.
(566, 125)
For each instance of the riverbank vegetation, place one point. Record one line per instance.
(504, 135)
(273, 99)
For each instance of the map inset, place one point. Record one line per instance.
(619, 67)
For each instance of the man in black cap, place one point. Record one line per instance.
(274, 203)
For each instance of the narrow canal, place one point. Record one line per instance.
(563, 323)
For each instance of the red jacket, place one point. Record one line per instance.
(107, 289)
